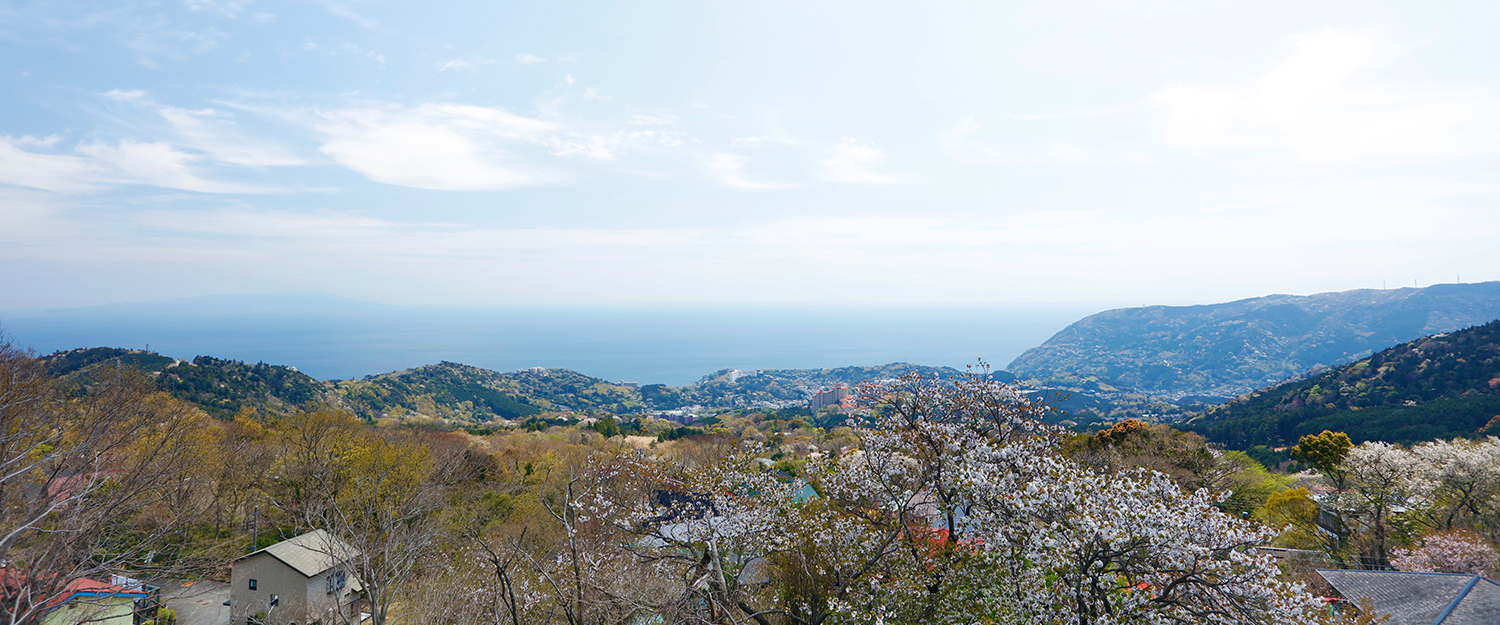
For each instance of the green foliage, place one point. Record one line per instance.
(607, 427)
(1268, 457)
(1442, 386)
(1325, 451)
(679, 432)
(220, 387)
(75, 360)
(166, 617)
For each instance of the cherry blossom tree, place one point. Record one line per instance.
(1452, 551)
(958, 508)
(1381, 479)
(1461, 483)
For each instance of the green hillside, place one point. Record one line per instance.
(732, 387)
(459, 392)
(221, 387)
(1440, 386)
(455, 391)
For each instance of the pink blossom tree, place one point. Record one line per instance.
(1451, 551)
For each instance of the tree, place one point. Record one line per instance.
(1296, 514)
(1325, 452)
(1461, 483)
(958, 508)
(1452, 551)
(607, 427)
(91, 482)
(1380, 478)
(379, 499)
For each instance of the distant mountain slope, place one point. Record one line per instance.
(461, 392)
(454, 391)
(220, 387)
(732, 387)
(1230, 349)
(1440, 386)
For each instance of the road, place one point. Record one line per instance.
(197, 602)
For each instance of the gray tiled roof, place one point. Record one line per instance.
(1422, 598)
(311, 553)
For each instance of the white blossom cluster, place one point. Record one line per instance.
(1439, 486)
(957, 508)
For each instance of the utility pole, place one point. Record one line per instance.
(255, 532)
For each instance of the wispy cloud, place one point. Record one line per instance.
(339, 9)
(853, 161)
(34, 163)
(652, 120)
(529, 59)
(729, 169)
(467, 148)
(438, 146)
(1324, 103)
(214, 132)
(229, 8)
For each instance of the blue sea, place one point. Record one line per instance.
(341, 339)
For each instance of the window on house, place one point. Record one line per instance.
(252, 584)
(338, 579)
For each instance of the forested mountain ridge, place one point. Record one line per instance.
(466, 393)
(1440, 386)
(1237, 347)
(727, 387)
(459, 392)
(220, 387)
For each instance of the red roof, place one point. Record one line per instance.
(77, 587)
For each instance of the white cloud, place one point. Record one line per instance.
(21, 165)
(729, 169)
(230, 8)
(437, 146)
(454, 64)
(157, 164)
(852, 161)
(463, 147)
(213, 132)
(529, 59)
(97, 164)
(1325, 102)
(339, 9)
(653, 120)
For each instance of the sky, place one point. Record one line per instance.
(498, 154)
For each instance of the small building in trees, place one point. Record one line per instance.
(90, 601)
(300, 581)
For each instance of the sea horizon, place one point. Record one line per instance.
(675, 345)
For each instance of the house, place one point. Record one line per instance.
(94, 602)
(299, 581)
(81, 600)
(1422, 598)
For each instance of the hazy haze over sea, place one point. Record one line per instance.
(335, 338)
